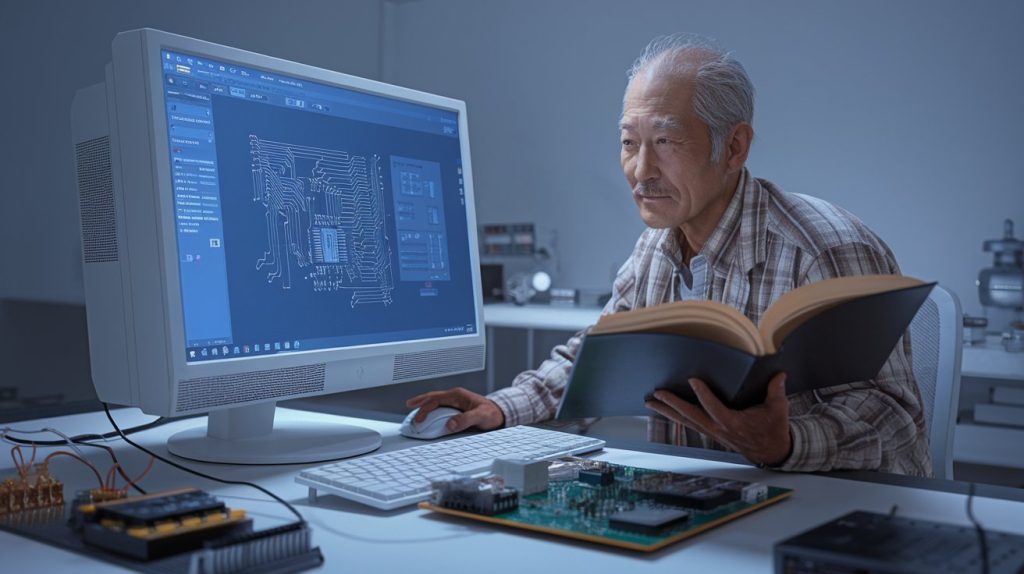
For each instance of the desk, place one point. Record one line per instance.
(360, 539)
(531, 318)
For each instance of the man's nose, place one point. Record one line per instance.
(646, 165)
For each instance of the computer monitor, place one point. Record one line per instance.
(255, 230)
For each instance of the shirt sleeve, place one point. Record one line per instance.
(873, 424)
(535, 394)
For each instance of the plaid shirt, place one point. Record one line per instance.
(767, 243)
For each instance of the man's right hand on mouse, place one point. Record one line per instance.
(477, 410)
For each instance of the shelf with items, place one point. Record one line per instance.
(988, 369)
(991, 360)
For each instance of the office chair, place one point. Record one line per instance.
(936, 347)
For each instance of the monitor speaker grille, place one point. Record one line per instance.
(411, 366)
(208, 392)
(96, 200)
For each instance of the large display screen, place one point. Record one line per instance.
(310, 216)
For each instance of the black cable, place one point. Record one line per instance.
(144, 427)
(982, 543)
(106, 409)
(81, 438)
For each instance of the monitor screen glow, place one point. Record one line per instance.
(310, 216)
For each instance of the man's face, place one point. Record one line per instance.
(666, 154)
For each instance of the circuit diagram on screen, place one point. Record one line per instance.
(324, 211)
(420, 221)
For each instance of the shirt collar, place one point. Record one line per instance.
(739, 235)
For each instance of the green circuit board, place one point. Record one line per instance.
(594, 512)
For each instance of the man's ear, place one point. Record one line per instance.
(738, 146)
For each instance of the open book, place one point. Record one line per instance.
(821, 334)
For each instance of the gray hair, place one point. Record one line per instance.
(723, 95)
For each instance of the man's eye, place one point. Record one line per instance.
(627, 143)
(662, 140)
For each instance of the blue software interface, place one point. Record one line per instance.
(310, 216)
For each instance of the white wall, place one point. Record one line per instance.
(51, 49)
(906, 113)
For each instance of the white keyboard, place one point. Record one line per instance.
(398, 478)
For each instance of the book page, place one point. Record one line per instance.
(799, 305)
(707, 320)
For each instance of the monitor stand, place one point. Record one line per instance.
(248, 435)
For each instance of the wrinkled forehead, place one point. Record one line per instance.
(635, 122)
(658, 102)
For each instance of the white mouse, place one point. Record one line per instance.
(432, 427)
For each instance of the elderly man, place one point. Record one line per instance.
(715, 232)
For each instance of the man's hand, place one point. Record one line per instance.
(760, 433)
(477, 410)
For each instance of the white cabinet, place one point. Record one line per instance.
(983, 367)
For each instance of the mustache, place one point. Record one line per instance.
(647, 189)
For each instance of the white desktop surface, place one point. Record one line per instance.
(360, 539)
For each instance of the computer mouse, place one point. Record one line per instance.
(432, 427)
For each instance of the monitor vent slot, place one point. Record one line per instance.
(96, 200)
(208, 392)
(412, 366)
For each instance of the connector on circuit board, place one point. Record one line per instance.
(487, 496)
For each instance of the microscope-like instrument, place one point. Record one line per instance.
(1001, 288)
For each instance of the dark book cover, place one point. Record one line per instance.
(848, 342)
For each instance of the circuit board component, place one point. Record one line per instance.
(178, 531)
(526, 476)
(617, 505)
(698, 492)
(647, 520)
(597, 476)
(286, 548)
(487, 496)
(157, 525)
(686, 491)
(35, 490)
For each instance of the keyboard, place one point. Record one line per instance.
(402, 477)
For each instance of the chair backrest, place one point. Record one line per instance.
(935, 338)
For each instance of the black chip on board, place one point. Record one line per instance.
(696, 495)
(651, 521)
(710, 498)
(149, 510)
(599, 477)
